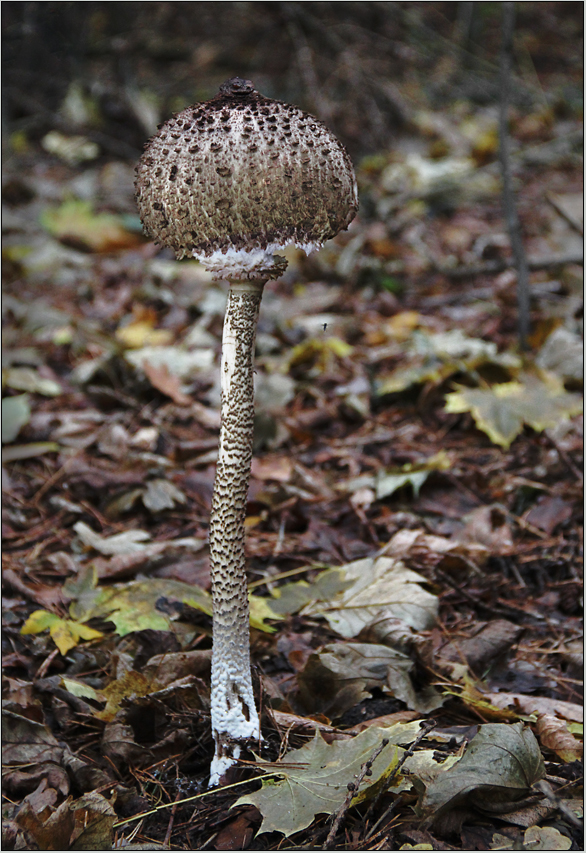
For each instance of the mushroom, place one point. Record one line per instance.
(230, 182)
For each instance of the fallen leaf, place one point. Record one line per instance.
(563, 354)
(487, 526)
(376, 590)
(66, 633)
(29, 379)
(94, 822)
(342, 674)
(554, 735)
(498, 768)
(546, 838)
(75, 223)
(121, 543)
(52, 832)
(16, 412)
(548, 512)
(28, 451)
(141, 333)
(502, 410)
(538, 705)
(277, 468)
(27, 741)
(165, 382)
(314, 779)
(162, 494)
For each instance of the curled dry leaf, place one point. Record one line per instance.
(342, 674)
(554, 735)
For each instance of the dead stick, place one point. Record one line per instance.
(425, 730)
(365, 770)
(495, 267)
(510, 209)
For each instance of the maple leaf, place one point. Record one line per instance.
(502, 410)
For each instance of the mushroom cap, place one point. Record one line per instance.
(235, 179)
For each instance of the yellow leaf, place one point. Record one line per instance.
(66, 633)
(39, 621)
(75, 223)
(141, 333)
(260, 609)
(62, 636)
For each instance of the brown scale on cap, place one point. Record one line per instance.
(243, 172)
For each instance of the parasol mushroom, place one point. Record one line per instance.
(231, 182)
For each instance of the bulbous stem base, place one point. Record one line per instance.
(235, 721)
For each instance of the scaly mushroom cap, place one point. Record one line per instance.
(235, 179)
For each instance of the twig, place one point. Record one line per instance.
(564, 457)
(167, 840)
(558, 804)
(504, 610)
(495, 267)
(365, 770)
(425, 730)
(567, 215)
(510, 209)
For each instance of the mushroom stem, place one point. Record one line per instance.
(235, 719)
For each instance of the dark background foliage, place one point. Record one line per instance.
(346, 62)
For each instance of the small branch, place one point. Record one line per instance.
(558, 804)
(510, 209)
(495, 267)
(425, 730)
(353, 787)
(576, 224)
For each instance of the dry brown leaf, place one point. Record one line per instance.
(166, 382)
(537, 705)
(553, 734)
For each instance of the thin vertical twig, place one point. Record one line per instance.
(509, 206)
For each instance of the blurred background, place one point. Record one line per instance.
(115, 70)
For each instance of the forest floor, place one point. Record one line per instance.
(414, 524)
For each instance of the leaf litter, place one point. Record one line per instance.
(413, 519)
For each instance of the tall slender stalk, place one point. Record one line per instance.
(234, 715)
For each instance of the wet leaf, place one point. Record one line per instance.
(314, 779)
(503, 410)
(498, 768)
